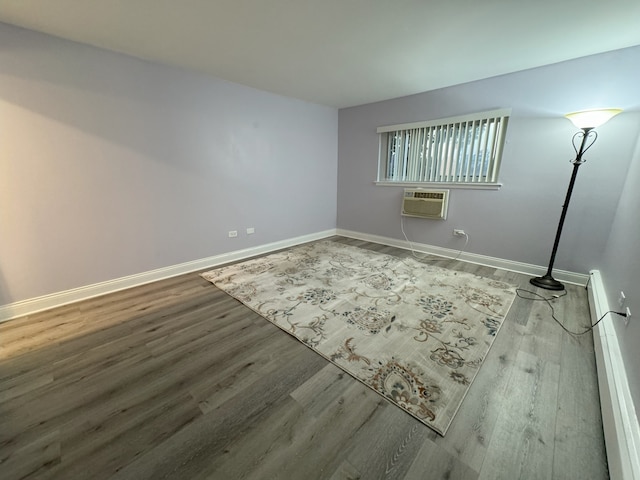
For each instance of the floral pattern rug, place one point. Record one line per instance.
(415, 333)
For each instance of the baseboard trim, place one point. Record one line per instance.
(619, 419)
(500, 263)
(45, 302)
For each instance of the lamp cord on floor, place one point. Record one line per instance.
(519, 292)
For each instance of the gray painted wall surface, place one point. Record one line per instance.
(519, 221)
(620, 268)
(111, 166)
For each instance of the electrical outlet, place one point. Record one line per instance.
(233, 233)
(251, 231)
(628, 317)
(458, 232)
(621, 299)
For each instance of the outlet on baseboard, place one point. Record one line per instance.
(458, 232)
(621, 298)
(233, 233)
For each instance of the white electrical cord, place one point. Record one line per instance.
(464, 247)
(413, 251)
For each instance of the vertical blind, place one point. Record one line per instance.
(465, 149)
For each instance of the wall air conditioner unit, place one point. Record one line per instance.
(423, 203)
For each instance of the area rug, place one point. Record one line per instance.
(415, 333)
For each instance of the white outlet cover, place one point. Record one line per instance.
(621, 299)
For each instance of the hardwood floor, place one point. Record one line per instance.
(176, 379)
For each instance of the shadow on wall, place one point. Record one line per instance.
(92, 94)
(182, 118)
(5, 295)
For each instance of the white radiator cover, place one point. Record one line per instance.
(621, 427)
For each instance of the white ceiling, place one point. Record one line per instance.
(341, 52)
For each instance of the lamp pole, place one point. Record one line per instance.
(547, 281)
(586, 121)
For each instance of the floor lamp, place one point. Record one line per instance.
(586, 121)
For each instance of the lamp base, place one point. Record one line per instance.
(547, 282)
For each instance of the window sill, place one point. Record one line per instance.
(469, 186)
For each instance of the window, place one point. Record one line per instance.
(459, 150)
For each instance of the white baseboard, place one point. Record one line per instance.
(620, 422)
(33, 305)
(502, 264)
(45, 302)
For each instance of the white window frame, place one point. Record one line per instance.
(463, 151)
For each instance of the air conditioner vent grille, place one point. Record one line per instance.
(422, 203)
(415, 194)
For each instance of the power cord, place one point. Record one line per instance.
(519, 292)
(413, 251)
(464, 247)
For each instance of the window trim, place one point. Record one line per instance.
(383, 159)
(469, 186)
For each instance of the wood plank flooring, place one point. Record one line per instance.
(177, 380)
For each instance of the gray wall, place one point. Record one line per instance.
(620, 268)
(517, 222)
(111, 166)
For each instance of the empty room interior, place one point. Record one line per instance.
(319, 240)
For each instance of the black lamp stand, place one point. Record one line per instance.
(547, 281)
